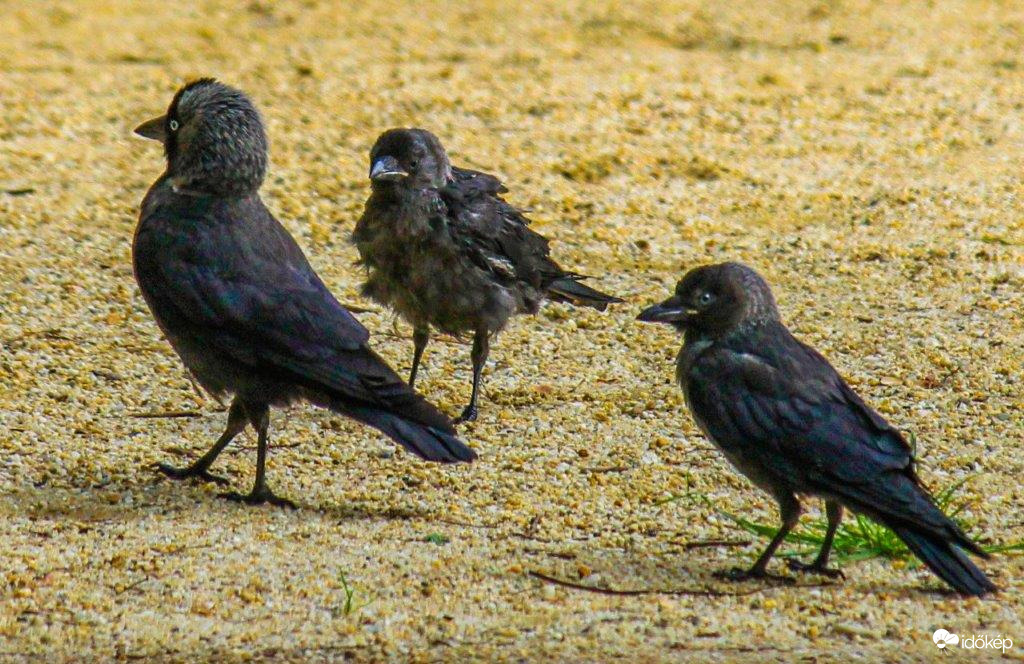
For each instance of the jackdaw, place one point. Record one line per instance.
(444, 249)
(785, 419)
(239, 302)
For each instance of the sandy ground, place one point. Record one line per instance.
(866, 159)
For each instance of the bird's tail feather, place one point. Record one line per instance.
(569, 289)
(946, 561)
(426, 442)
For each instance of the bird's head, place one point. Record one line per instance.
(714, 300)
(409, 158)
(214, 140)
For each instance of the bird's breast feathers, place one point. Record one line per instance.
(410, 216)
(687, 358)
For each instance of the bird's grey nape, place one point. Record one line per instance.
(221, 146)
(760, 302)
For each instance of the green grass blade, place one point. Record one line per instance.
(858, 538)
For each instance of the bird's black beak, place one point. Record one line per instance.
(154, 129)
(386, 169)
(671, 310)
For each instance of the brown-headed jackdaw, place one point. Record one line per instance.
(239, 302)
(446, 251)
(783, 416)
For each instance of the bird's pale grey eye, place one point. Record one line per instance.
(173, 124)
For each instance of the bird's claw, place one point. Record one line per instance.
(741, 574)
(816, 568)
(189, 472)
(259, 497)
(468, 415)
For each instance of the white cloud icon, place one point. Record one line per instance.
(942, 638)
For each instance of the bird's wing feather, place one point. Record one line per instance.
(263, 305)
(468, 179)
(494, 234)
(791, 412)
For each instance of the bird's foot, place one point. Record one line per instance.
(816, 568)
(741, 574)
(190, 472)
(468, 414)
(259, 497)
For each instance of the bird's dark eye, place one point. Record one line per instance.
(705, 298)
(173, 124)
(414, 163)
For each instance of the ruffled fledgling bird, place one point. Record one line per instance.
(786, 420)
(443, 248)
(239, 302)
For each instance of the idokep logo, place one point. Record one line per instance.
(943, 639)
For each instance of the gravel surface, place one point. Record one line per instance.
(865, 157)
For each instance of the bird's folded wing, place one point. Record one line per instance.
(494, 234)
(275, 316)
(800, 423)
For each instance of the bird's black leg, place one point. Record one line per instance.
(259, 415)
(420, 337)
(834, 512)
(237, 420)
(789, 509)
(481, 346)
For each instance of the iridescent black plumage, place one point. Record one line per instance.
(783, 416)
(239, 302)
